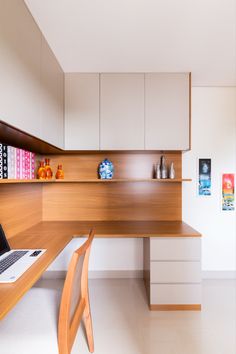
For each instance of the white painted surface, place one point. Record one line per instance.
(52, 104)
(20, 85)
(167, 111)
(165, 294)
(122, 112)
(31, 85)
(106, 255)
(175, 249)
(213, 136)
(82, 111)
(175, 272)
(144, 35)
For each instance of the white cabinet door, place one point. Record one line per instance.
(167, 111)
(52, 98)
(20, 85)
(122, 112)
(82, 111)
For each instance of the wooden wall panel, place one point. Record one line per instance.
(126, 164)
(20, 207)
(112, 201)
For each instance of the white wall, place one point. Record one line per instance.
(106, 255)
(213, 136)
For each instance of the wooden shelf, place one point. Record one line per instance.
(114, 180)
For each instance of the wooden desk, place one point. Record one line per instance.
(54, 236)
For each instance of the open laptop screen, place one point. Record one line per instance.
(4, 246)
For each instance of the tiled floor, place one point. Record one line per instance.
(122, 322)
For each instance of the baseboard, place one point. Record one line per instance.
(98, 274)
(231, 274)
(127, 274)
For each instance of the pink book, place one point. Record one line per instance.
(32, 165)
(18, 163)
(22, 164)
(27, 165)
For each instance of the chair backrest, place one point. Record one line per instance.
(75, 300)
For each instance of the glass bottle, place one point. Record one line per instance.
(163, 168)
(48, 169)
(172, 171)
(158, 171)
(60, 172)
(41, 173)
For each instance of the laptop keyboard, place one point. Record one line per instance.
(11, 259)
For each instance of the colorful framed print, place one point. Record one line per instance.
(204, 177)
(228, 202)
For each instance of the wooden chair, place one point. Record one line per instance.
(75, 300)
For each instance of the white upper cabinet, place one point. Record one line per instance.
(82, 111)
(167, 111)
(20, 85)
(52, 98)
(32, 83)
(122, 112)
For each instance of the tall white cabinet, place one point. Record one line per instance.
(32, 82)
(122, 112)
(167, 111)
(20, 53)
(82, 111)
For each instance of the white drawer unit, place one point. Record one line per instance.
(173, 272)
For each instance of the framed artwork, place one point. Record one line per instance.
(228, 202)
(204, 177)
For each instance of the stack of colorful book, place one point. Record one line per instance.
(16, 163)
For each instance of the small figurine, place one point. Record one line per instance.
(106, 169)
(41, 173)
(48, 169)
(60, 172)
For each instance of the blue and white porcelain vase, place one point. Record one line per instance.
(106, 169)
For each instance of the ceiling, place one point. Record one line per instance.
(142, 36)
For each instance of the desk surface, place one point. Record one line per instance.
(54, 236)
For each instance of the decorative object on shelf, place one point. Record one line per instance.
(204, 177)
(172, 171)
(228, 192)
(164, 173)
(60, 172)
(41, 174)
(48, 169)
(158, 171)
(106, 169)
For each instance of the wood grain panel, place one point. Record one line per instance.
(20, 207)
(172, 307)
(126, 165)
(126, 201)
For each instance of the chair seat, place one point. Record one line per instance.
(31, 328)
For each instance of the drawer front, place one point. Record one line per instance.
(175, 272)
(175, 249)
(166, 294)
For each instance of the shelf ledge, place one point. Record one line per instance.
(114, 180)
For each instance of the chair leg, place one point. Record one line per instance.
(88, 326)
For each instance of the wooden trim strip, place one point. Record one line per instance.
(176, 307)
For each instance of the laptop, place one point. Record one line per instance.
(13, 263)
